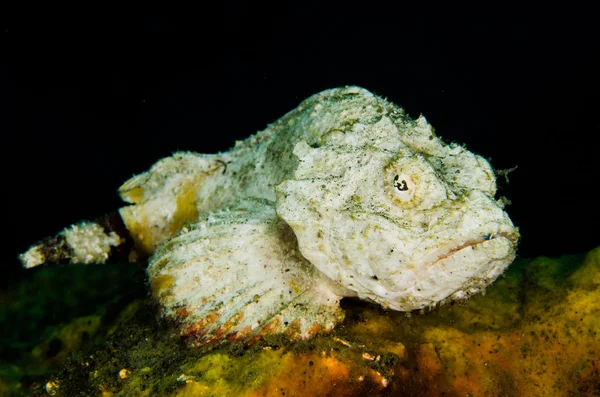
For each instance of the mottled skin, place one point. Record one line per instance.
(343, 196)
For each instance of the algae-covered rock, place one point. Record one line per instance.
(552, 350)
(65, 339)
(534, 333)
(54, 313)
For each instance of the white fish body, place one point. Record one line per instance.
(343, 196)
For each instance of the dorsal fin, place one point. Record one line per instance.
(238, 274)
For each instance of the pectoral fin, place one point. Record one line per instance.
(239, 275)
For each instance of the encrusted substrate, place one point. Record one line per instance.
(535, 333)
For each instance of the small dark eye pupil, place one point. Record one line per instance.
(402, 185)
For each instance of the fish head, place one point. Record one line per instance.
(406, 224)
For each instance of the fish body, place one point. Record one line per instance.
(343, 196)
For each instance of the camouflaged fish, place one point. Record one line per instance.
(345, 196)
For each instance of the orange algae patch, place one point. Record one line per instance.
(428, 361)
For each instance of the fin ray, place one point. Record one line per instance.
(239, 274)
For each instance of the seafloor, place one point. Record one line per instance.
(94, 331)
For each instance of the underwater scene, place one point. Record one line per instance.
(345, 250)
(285, 200)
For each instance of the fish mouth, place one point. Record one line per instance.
(453, 249)
(456, 270)
(466, 268)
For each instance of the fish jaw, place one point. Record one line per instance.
(459, 272)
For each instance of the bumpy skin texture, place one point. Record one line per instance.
(343, 196)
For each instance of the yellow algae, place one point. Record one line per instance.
(581, 312)
(395, 348)
(372, 323)
(588, 275)
(226, 374)
(307, 375)
(214, 366)
(499, 308)
(268, 373)
(195, 389)
(136, 386)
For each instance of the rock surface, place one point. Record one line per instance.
(535, 333)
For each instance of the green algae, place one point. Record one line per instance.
(56, 312)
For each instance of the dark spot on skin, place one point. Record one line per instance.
(374, 277)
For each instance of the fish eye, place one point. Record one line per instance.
(403, 187)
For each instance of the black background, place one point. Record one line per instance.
(95, 99)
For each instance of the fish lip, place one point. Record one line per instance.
(512, 237)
